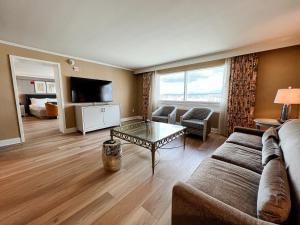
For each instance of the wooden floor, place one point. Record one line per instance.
(59, 179)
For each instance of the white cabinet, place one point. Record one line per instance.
(89, 118)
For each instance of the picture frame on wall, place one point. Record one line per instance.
(51, 87)
(40, 87)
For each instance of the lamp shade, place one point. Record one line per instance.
(288, 96)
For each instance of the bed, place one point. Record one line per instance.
(35, 105)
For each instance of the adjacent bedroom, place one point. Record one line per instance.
(37, 96)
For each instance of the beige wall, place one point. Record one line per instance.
(278, 68)
(124, 87)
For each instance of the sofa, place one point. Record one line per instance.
(165, 114)
(253, 178)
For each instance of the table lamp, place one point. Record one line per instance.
(287, 97)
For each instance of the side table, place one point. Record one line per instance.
(259, 122)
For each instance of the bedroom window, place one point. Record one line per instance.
(201, 85)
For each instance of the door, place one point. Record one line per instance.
(93, 118)
(112, 115)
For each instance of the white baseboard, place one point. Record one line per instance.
(70, 130)
(131, 118)
(11, 141)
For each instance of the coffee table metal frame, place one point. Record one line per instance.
(151, 145)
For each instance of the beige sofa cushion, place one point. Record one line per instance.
(289, 134)
(228, 183)
(247, 140)
(270, 150)
(240, 155)
(273, 200)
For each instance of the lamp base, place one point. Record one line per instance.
(284, 113)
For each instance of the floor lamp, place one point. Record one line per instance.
(287, 97)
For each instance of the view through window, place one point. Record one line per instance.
(202, 85)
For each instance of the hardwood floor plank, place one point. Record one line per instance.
(139, 217)
(117, 214)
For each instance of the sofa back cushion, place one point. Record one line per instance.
(289, 137)
(270, 150)
(273, 198)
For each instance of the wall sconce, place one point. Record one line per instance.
(72, 63)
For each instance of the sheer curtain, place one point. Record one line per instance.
(224, 103)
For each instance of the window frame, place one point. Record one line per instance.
(185, 102)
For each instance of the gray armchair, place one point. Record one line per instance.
(165, 114)
(197, 121)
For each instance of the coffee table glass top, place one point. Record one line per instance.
(150, 131)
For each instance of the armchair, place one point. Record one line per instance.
(165, 114)
(197, 121)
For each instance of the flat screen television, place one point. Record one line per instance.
(90, 90)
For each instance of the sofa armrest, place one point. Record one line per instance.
(193, 207)
(248, 131)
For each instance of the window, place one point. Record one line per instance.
(202, 85)
(171, 87)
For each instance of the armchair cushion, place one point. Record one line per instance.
(163, 119)
(193, 123)
(247, 140)
(231, 184)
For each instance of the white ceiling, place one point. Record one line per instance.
(28, 68)
(141, 33)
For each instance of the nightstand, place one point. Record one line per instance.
(266, 123)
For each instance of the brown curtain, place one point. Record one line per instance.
(147, 77)
(242, 88)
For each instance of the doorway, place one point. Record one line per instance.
(38, 94)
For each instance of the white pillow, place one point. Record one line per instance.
(38, 101)
(52, 100)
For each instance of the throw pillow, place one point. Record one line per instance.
(270, 150)
(270, 133)
(273, 199)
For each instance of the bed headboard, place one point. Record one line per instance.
(28, 101)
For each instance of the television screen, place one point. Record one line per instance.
(90, 90)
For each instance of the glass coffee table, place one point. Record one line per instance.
(150, 135)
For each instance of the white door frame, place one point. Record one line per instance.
(59, 93)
